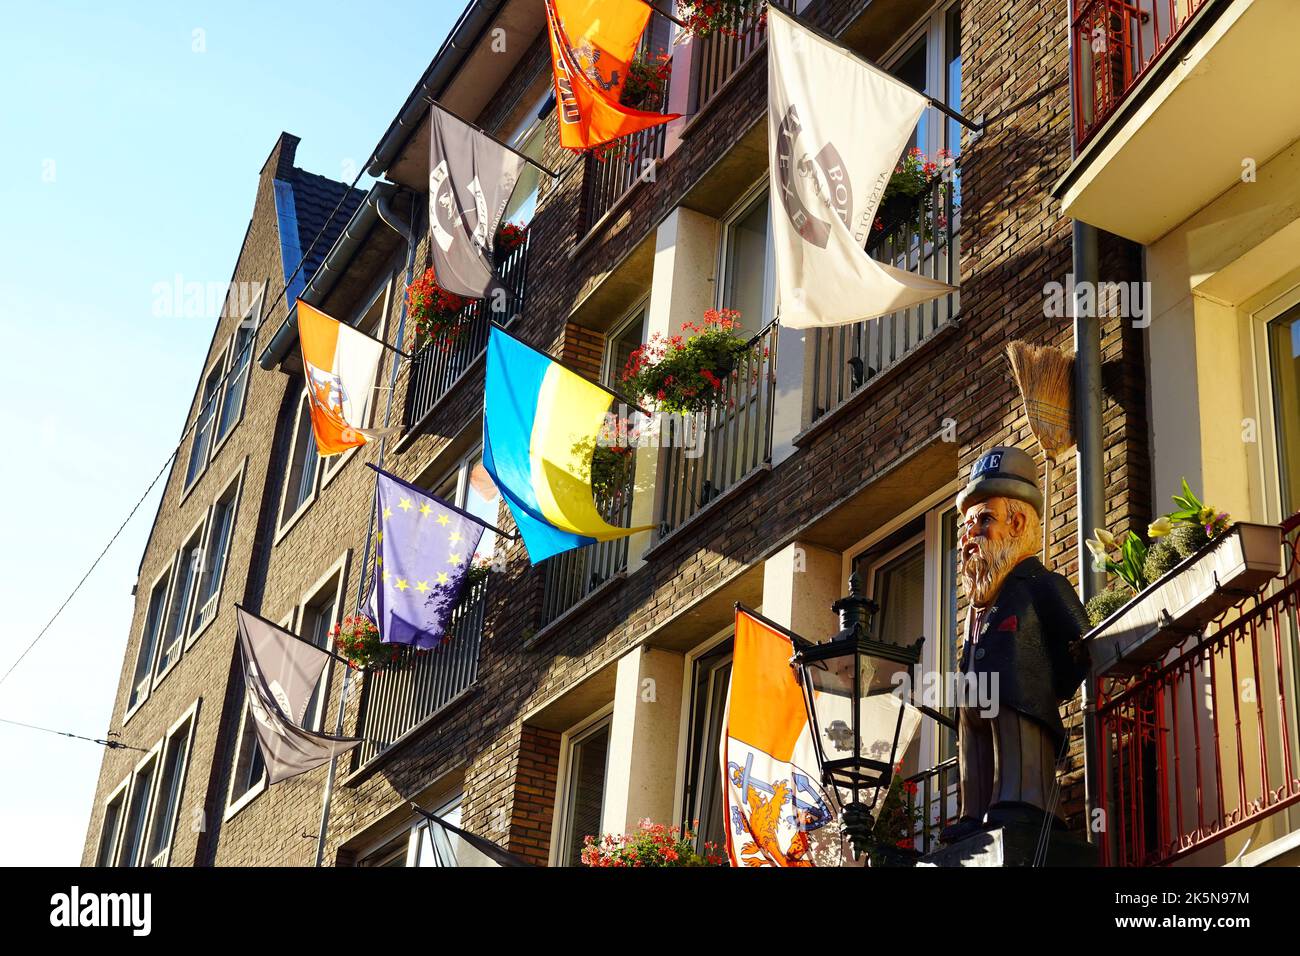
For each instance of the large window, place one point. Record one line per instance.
(147, 656)
(318, 616)
(137, 813)
(425, 844)
(529, 138)
(167, 800)
(178, 617)
(469, 486)
(584, 791)
(247, 769)
(232, 404)
(304, 464)
(748, 268)
(705, 800)
(930, 61)
(625, 339)
(203, 426)
(1284, 349)
(111, 828)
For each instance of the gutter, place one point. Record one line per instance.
(374, 209)
(462, 39)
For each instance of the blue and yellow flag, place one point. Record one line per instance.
(541, 424)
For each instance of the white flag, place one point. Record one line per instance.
(836, 129)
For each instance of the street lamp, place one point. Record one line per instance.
(854, 690)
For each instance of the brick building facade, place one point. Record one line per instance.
(542, 729)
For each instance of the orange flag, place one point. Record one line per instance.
(592, 42)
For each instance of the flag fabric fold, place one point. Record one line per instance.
(829, 167)
(423, 557)
(541, 424)
(469, 849)
(280, 677)
(592, 43)
(340, 365)
(471, 177)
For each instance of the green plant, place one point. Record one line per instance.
(684, 374)
(1132, 557)
(909, 194)
(1103, 605)
(357, 638)
(896, 821)
(1162, 557)
(724, 17)
(647, 81)
(653, 844)
(1187, 539)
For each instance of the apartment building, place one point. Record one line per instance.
(585, 694)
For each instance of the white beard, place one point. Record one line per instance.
(983, 572)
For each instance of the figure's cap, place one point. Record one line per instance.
(1003, 472)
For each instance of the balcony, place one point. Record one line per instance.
(719, 57)
(1203, 744)
(573, 575)
(1172, 97)
(436, 368)
(847, 358)
(397, 700)
(717, 449)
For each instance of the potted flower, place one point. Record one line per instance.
(357, 638)
(438, 315)
(684, 374)
(510, 236)
(1197, 564)
(653, 844)
(909, 194)
(725, 17)
(647, 80)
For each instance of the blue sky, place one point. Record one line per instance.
(133, 134)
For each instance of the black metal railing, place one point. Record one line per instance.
(420, 684)
(572, 575)
(721, 55)
(436, 366)
(712, 451)
(934, 794)
(611, 172)
(921, 238)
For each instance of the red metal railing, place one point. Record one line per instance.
(1115, 42)
(1202, 745)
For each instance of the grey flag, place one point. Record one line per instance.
(280, 675)
(471, 177)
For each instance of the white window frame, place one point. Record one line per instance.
(753, 196)
(933, 27)
(165, 575)
(122, 790)
(686, 727)
(932, 508)
(530, 124)
(199, 530)
(233, 489)
(336, 577)
(223, 365)
(155, 756)
(562, 817)
(235, 804)
(638, 314)
(186, 722)
(300, 434)
(1267, 453)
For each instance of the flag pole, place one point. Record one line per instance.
(528, 159)
(971, 125)
(664, 13)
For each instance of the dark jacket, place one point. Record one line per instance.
(1025, 640)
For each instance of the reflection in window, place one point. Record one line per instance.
(1284, 346)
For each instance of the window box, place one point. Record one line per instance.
(1231, 567)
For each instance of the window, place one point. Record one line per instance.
(1284, 351)
(248, 770)
(111, 828)
(138, 812)
(911, 573)
(168, 799)
(187, 573)
(529, 138)
(203, 427)
(705, 801)
(220, 525)
(622, 342)
(748, 268)
(145, 659)
(425, 844)
(584, 794)
(930, 61)
(304, 463)
(318, 616)
(232, 404)
(222, 400)
(370, 319)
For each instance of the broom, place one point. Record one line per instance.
(1045, 376)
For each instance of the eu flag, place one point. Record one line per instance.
(425, 547)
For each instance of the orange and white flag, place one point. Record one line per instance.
(341, 365)
(777, 811)
(592, 43)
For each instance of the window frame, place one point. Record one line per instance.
(287, 520)
(165, 577)
(224, 365)
(233, 488)
(199, 530)
(337, 575)
(235, 804)
(571, 738)
(154, 756)
(187, 722)
(120, 791)
(639, 312)
(757, 193)
(690, 760)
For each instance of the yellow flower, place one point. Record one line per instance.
(1160, 527)
(1103, 537)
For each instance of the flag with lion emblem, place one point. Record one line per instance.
(777, 813)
